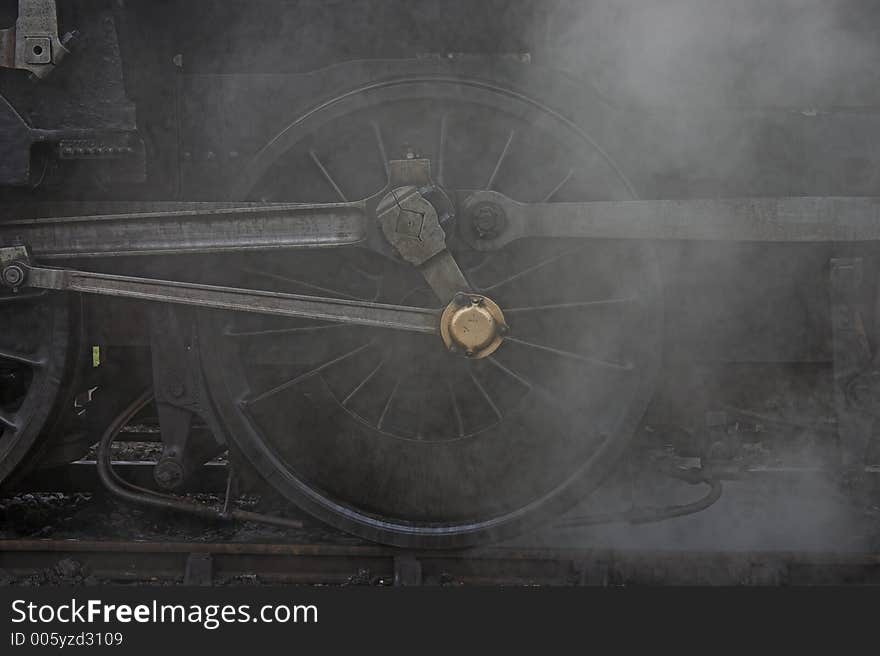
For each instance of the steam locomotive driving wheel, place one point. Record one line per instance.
(34, 354)
(543, 364)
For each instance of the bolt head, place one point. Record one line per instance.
(13, 275)
(488, 220)
(485, 216)
(168, 474)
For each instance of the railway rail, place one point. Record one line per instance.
(230, 563)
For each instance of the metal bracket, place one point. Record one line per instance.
(33, 44)
(412, 215)
(177, 395)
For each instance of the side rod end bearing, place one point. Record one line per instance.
(12, 276)
(473, 325)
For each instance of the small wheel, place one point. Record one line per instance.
(388, 435)
(34, 351)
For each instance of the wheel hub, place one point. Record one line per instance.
(473, 325)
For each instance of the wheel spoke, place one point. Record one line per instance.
(388, 403)
(510, 372)
(363, 383)
(558, 188)
(607, 364)
(441, 150)
(298, 379)
(486, 396)
(327, 176)
(8, 420)
(375, 277)
(573, 305)
(455, 409)
(532, 269)
(286, 331)
(380, 144)
(500, 161)
(421, 422)
(301, 283)
(542, 392)
(18, 356)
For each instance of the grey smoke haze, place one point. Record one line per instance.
(692, 64)
(689, 62)
(811, 53)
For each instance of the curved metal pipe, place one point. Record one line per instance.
(125, 490)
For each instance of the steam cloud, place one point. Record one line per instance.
(689, 65)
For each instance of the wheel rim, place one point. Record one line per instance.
(359, 434)
(33, 354)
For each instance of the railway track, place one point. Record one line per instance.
(181, 550)
(230, 563)
(82, 476)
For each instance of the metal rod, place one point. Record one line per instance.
(66, 230)
(362, 313)
(803, 220)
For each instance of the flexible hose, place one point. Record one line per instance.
(125, 490)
